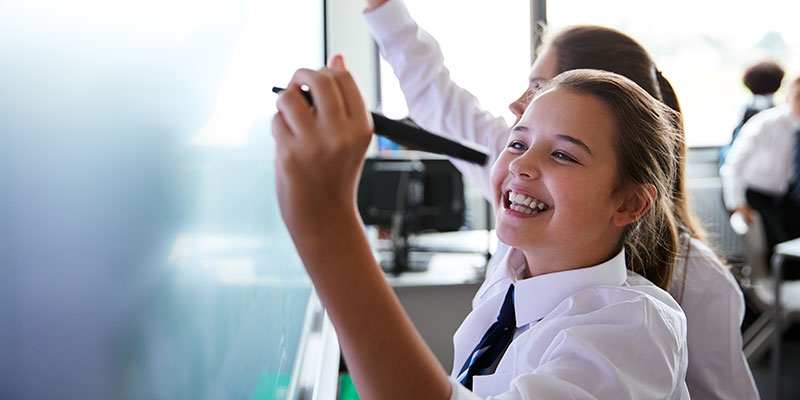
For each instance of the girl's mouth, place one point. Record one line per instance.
(523, 203)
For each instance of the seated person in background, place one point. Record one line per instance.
(763, 80)
(701, 283)
(761, 171)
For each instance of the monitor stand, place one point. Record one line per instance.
(401, 257)
(399, 261)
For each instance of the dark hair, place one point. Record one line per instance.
(606, 49)
(645, 140)
(763, 78)
(597, 47)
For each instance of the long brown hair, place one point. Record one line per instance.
(644, 143)
(606, 49)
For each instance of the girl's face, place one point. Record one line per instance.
(544, 69)
(554, 183)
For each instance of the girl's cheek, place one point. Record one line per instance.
(498, 172)
(497, 177)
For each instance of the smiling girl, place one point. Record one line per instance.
(581, 190)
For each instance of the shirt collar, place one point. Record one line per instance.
(535, 297)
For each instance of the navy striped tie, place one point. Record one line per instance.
(484, 358)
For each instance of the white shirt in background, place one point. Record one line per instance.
(762, 156)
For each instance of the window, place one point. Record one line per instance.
(475, 37)
(703, 49)
(487, 48)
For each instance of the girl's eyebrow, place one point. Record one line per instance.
(571, 139)
(537, 79)
(577, 142)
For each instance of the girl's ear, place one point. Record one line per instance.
(635, 202)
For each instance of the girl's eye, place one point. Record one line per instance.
(536, 86)
(517, 145)
(564, 156)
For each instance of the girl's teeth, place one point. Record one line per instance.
(524, 210)
(522, 202)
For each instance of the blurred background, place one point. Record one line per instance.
(142, 255)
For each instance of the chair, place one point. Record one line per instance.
(759, 291)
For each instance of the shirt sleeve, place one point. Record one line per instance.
(435, 102)
(714, 308)
(731, 172)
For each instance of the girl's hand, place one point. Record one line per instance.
(320, 149)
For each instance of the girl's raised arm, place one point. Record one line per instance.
(318, 162)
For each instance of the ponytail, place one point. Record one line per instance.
(681, 201)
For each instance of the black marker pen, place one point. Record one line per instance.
(417, 138)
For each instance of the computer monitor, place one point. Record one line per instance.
(410, 195)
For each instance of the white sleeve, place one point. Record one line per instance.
(731, 172)
(434, 101)
(714, 308)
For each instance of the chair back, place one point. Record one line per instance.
(754, 243)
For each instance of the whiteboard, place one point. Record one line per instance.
(142, 254)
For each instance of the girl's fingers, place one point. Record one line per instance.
(338, 108)
(337, 61)
(280, 130)
(351, 96)
(295, 111)
(324, 91)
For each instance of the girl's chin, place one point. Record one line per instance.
(512, 238)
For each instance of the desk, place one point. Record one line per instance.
(438, 298)
(788, 249)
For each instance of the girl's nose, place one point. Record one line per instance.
(525, 166)
(519, 105)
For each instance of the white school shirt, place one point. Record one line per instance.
(714, 307)
(761, 157)
(600, 332)
(436, 103)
